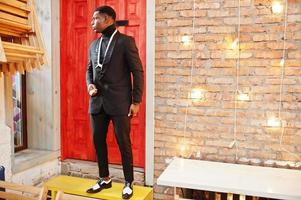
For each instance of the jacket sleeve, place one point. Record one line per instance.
(89, 72)
(135, 66)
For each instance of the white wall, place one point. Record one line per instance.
(6, 150)
(43, 132)
(2, 111)
(5, 135)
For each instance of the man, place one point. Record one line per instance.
(113, 58)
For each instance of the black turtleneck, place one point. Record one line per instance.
(106, 34)
(109, 31)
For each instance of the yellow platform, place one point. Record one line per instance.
(78, 186)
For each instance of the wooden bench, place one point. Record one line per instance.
(15, 191)
(232, 178)
(78, 186)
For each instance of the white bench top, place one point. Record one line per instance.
(233, 178)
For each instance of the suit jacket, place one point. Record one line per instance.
(115, 89)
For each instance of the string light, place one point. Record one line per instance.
(274, 122)
(282, 62)
(191, 71)
(197, 94)
(231, 145)
(184, 148)
(186, 39)
(234, 44)
(243, 97)
(277, 7)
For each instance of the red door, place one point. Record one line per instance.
(76, 35)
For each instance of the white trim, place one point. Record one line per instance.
(29, 158)
(2, 100)
(150, 86)
(55, 65)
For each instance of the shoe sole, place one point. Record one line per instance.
(98, 190)
(123, 198)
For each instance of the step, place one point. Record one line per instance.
(78, 186)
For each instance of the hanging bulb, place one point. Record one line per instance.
(274, 122)
(197, 94)
(186, 39)
(182, 148)
(277, 7)
(231, 145)
(234, 44)
(281, 63)
(243, 97)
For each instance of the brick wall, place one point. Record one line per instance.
(210, 123)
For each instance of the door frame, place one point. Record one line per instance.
(150, 86)
(150, 94)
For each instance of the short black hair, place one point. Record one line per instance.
(107, 10)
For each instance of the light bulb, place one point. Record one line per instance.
(234, 44)
(196, 94)
(282, 61)
(274, 122)
(186, 39)
(231, 145)
(182, 148)
(243, 97)
(277, 7)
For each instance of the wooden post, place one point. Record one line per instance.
(2, 54)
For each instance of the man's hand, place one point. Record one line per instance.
(92, 90)
(134, 109)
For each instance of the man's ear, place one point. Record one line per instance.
(107, 17)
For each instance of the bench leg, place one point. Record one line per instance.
(175, 196)
(53, 194)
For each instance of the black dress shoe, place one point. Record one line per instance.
(127, 191)
(100, 184)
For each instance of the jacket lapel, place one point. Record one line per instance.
(109, 55)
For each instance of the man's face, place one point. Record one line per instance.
(99, 22)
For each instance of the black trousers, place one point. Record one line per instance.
(121, 123)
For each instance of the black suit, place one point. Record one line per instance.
(115, 95)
